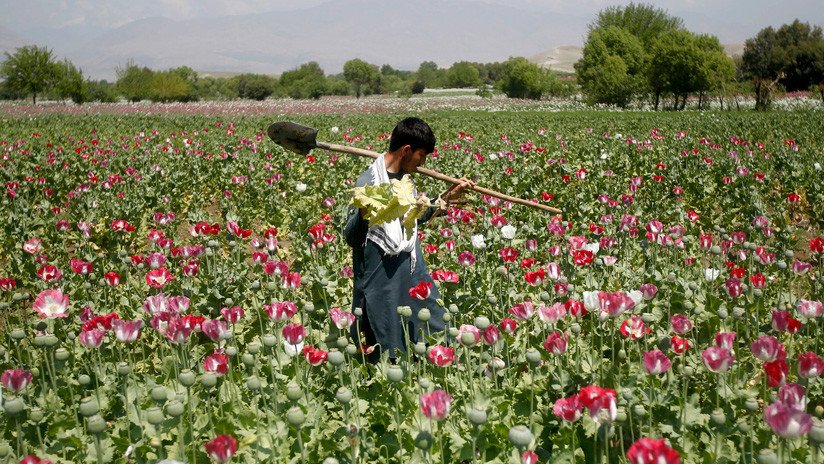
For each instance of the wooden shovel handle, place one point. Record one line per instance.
(439, 176)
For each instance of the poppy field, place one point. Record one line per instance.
(176, 287)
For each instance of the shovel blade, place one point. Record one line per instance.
(294, 137)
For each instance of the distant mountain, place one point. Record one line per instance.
(331, 34)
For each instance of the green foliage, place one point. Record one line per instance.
(133, 82)
(793, 55)
(359, 74)
(641, 20)
(166, 86)
(102, 91)
(430, 75)
(611, 70)
(306, 81)
(523, 79)
(255, 86)
(212, 88)
(30, 70)
(70, 83)
(463, 74)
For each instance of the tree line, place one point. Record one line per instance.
(633, 55)
(640, 54)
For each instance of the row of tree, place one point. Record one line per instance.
(33, 71)
(635, 54)
(640, 54)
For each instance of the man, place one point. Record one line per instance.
(386, 260)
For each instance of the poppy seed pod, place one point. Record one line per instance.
(751, 404)
(61, 354)
(96, 424)
(482, 322)
(123, 368)
(520, 436)
(271, 286)
(447, 317)
(269, 340)
(423, 440)
(18, 334)
(342, 342)
(253, 383)
(14, 406)
(175, 408)
(394, 374)
(819, 411)
(159, 393)
(533, 356)
(477, 416)
(575, 328)
(253, 347)
(231, 350)
(293, 391)
(743, 426)
(154, 415)
(816, 433)
(36, 414)
(425, 383)
(208, 379)
(344, 395)
(330, 461)
(453, 332)
(766, 456)
(621, 416)
(351, 350)
(718, 417)
(84, 379)
(639, 410)
(186, 378)
(295, 416)
(424, 315)
(88, 407)
(308, 306)
(5, 450)
(248, 359)
(51, 340)
(420, 348)
(336, 357)
(40, 341)
(358, 312)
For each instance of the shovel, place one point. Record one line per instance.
(301, 139)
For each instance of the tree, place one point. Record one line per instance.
(31, 70)
(463, 74)
(523, 79)
(359, 73)
(612, 69)
(256, 86)
(643, 21)
(70, 83)
(307, 81)
(792, 55)
(429, 75)
(168, 86)
(134, 82)
(102, 91)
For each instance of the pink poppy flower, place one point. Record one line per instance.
(51, 304)
(435, 405)
(717, 359)
(217, 363)
(569, 409)
(651, 451)
(221, 448)
(441, 356)
(16, 380)
(656, 362)
(158, 278)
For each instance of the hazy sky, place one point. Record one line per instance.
(30, 17)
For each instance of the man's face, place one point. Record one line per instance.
(412, 158)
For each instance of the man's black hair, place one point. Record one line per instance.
(413, 132)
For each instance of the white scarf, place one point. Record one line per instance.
(390, 236)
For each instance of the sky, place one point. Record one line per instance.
(78, 29)
(31, 16)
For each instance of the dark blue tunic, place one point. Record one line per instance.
(382, 283)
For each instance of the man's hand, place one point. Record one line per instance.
(455, 192)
